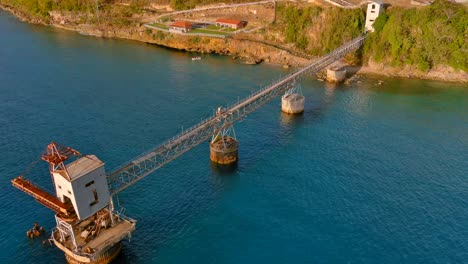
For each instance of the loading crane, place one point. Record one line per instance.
(89, 229)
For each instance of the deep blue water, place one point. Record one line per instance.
(368, 174)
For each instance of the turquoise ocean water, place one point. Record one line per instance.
(368, 174)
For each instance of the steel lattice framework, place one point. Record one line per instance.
(164, 153)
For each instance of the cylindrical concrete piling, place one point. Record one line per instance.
(292, 103)
(336, 74)
(224, 150)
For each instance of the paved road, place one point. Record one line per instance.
(215, 7)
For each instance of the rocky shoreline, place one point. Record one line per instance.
(244, 50)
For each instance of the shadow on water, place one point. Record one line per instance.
(224, 176)
(314, 110)
(401, 86)
(166, 224)
(351, 72)
(172, 217)
(288, 122)
(123, 256)
(223, 170)
(291, 120)
(126, 255)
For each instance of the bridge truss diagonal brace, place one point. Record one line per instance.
(147, 163)
(227, 130)
(296, 89)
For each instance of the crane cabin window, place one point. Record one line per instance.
(89, 183)
(96, 200)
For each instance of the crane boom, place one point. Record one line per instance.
(40, 195)
(147, 163)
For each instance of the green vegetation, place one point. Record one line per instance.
(159, 25)
(296, 21)
(227, 29)
(213, 27)
(109, 14)
(159, 35)
(206, 31)
(31, 7)
(165, 19)
(425, 37)
(335, 25)
(195, 40)
(42, 7)
(184, 4)
(339, 26)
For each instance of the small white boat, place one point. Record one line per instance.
(196, 58)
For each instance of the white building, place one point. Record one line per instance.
(373, 11)
(84, 184)
(180, 27)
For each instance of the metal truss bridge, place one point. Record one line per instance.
(147, 163)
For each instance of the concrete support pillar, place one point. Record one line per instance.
(223, 145)
(292, 103)
(223, 150)
(336, 74)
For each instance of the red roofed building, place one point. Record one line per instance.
(231, 23)
(180, 26)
